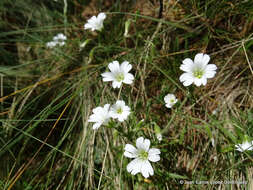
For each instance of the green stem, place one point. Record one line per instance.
(119, 92)
(65, 15)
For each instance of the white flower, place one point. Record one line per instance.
(170, 100)
(197, 72)
(51, 44)
(215, 111)
(100, 116)
(119, 74)
(159, 137)
(142, 155)
(59, 39)
(244, 146)
(120, 111)
(95, 23)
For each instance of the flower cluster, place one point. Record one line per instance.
(119, 74)
(59, 39)
(102, 115)
(196, 72)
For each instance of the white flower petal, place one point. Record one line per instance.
(92, 19)
(210, 74)
(187, 65)
(139, 142)
(142, 143)
(188, 83)
(198, 58)
(130, 148)
(146, 169)
(211, 67)
(128, 78)
(197, 81)
(130, 151)
(87, 26)
(96, 125)
(107, 76)
(186, 78)
(101, 16)
(129, 155)
(134, 166)
(114, 66)
(116, 84)
(97, 110)
(205, 59)
(126, 108)
(93, 118)
(204, 81)
(154, 151)
(146, 144)
(120, 118)
(239, 147)
(153, 154)
(154, 158)
(125, 66)
(166, 98)
(113, 114)
(97, 114)
(168, 105)
(106, 107)
(120, 103)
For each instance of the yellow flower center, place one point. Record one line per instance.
(119, 77)
(119, 111)
(143, 155)
(198, 73)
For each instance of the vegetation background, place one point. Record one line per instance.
(48, 94)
